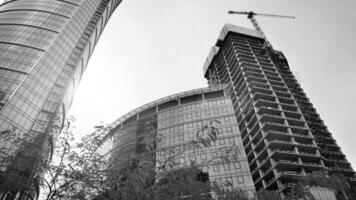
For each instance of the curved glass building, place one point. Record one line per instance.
(44, 50)
(172, 122)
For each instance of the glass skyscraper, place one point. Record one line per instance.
(170, 123)
(45, 46)
(283, 136)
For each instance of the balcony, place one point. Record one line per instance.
(283, 95)
(248, 69)
(252, 132)
(277, 83)
(291, 173)
(290, 108)
(287, 101)
(242, 52)
(283, 151)
(280, 88)
(275, 127)
(261, 91)
(254, 79)
(268, 68)
(264, 61)
(312, 164)
(274, 74)
(274, 78)
(297, 123)
(250, 74)
(248, 61)
(305, 145)
(261, 103)
(308, 154)
(269, 112)
(253, 84)
(245, 56)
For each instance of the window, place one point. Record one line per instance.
(181, 118)
(216, 168)
(240, 179)
(224, 110)
(207, 112)
(222, 141)
(229, 181)
(203, 156)
(182, 161)
(162, 141)
(237, 165)
(181, 137)
(213, 155)
(171, 140)
(198, 114)
(232, 141)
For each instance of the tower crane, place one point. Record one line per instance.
(251, 15)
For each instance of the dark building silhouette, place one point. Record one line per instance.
(45, 46)
(283, 136)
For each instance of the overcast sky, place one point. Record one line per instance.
(151, 49)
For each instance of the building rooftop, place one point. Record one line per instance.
(223, 33)
(164, 100)
(119, 123)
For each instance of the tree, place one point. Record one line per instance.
(299, 191)
(83, 173)
(18, 163)
(222, 192)
(77, 170)
(182, 183)
(268, 195)
(335, 182)
(53, 182)
(24, 158)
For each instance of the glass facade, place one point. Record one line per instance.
(283, 136)
(168, 124)
(44, 49)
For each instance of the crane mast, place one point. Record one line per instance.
(251, 16)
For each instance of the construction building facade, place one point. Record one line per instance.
(282, 134)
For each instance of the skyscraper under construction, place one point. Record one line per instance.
(283, 136)
(44, 50)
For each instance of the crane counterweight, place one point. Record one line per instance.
(251, 15)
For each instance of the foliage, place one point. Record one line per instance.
(335, 182)
(17, 162)
(183, 183)
(222, 192)
(54, 181)
(78, 170)
(82, 173)
(268, 195)
(299, 191)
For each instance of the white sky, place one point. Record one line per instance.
(151, 49)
